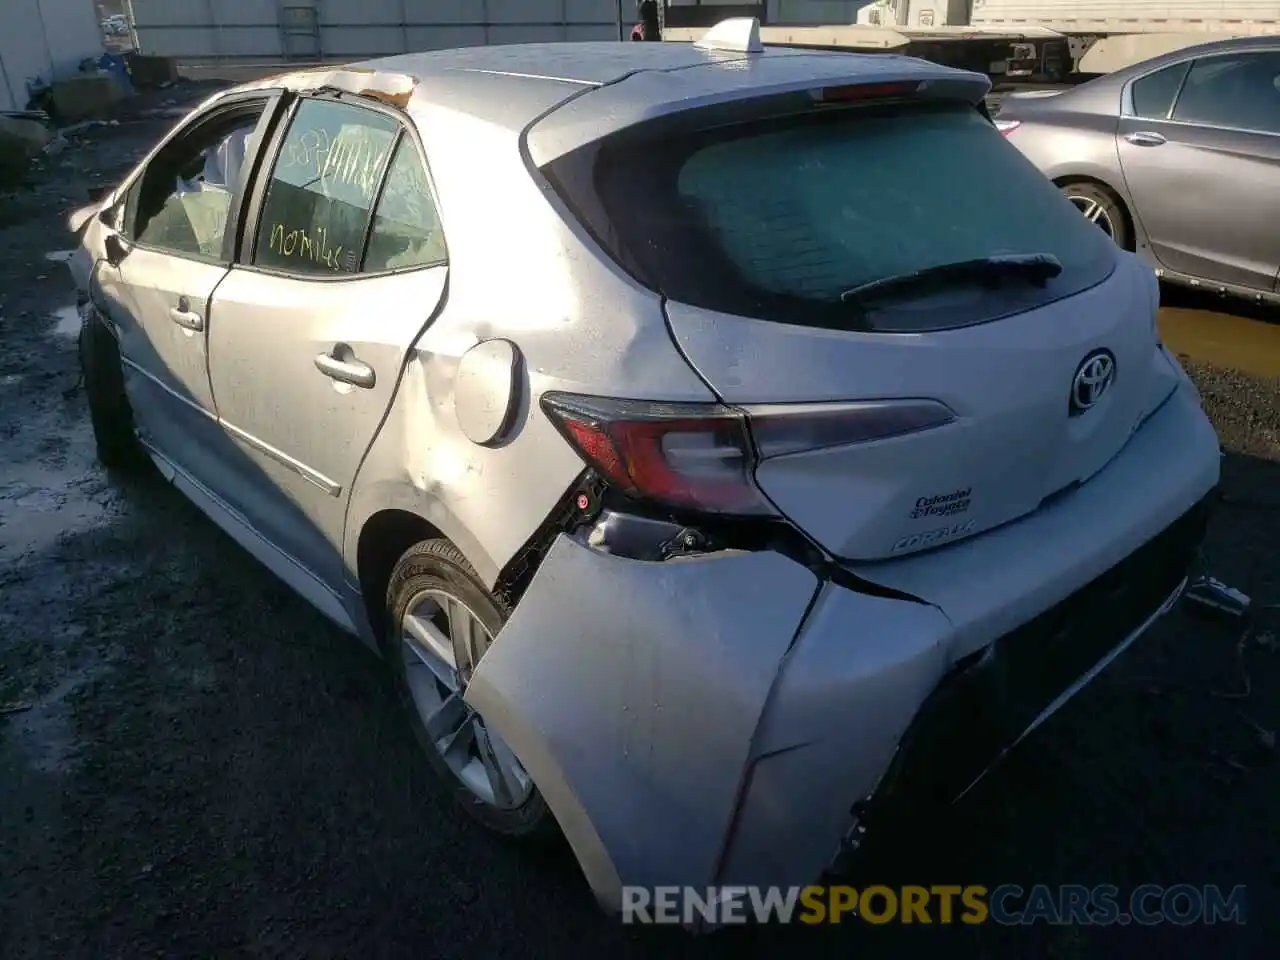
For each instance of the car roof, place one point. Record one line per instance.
(1182, 54)
(513, 85)
(1101, 94)
(1233, 45)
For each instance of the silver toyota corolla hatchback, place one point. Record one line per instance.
(719, 474)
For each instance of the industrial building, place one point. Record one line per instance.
(270, 30)
(43, 40)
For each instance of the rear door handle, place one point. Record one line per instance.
(1145, 138)
(183, 316)
(352, 371)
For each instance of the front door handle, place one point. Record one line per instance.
(184, 317)
(341, 365)
(1145, 138)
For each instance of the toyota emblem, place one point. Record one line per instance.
(1093, 377)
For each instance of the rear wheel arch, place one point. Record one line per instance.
(1126, 240)
(384, 538)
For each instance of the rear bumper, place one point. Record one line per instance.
(712, 720)
(994, 699)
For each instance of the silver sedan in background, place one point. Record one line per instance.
(1177, 158)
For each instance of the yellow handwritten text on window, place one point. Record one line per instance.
(311, 245)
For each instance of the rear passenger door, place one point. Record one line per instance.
(342, 266)
(1200, 148)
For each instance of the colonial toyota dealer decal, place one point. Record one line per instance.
(943, 505)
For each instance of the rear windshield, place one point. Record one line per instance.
(776, 219)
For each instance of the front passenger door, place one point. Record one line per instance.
(169, 254)
(1200, 149)
(311, 329)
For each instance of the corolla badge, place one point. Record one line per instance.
(1093, 378)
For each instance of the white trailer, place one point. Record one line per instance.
(1105, 35)
(1017, 39)
(1128, 16)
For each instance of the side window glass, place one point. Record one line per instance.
(181, 202)
(320, 196)
(406, 229)
(1240, 91)
(1153, 94)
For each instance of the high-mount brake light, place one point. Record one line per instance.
(703, 457)
(867, 91)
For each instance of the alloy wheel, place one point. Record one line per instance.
(442, 641)
(1095, 212)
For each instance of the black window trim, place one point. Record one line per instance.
(1130, 110)
(248, 242)
(269, 100)
(1127, 109)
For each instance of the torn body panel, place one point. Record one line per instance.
(847, 691)
(632, 691)
(386, 86)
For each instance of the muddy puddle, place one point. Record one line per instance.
(1232, 336)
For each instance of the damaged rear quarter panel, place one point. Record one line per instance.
(520, 269)
(632, 692)
(487, 500)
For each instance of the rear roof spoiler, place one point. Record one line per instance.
(653, 94)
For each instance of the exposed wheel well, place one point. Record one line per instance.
(1110, 192)
(383, 540)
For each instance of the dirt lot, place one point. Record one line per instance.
(207, 768)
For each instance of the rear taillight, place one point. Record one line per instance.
(1007, 127)
(690, 456)
(703, 456)
(782, 429)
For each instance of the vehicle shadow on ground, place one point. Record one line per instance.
(1182, 297)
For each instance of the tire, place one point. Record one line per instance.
(428, 571)
(1099, 205)
(109, 410)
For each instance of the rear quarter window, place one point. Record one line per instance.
(1153, 94)
(775, 219)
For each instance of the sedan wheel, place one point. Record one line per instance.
(1095, 213)
(1100, 208)
(442, 641)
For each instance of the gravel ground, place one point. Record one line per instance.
(208, 769)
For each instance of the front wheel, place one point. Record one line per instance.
(109, 410)
(1101, 208)
(441, 622)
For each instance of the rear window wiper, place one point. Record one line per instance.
(1037, 268)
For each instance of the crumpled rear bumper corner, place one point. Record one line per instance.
(681, 731)
(631, 691)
